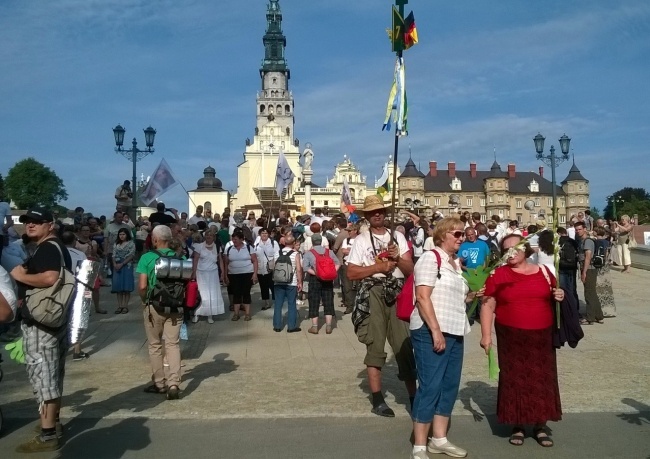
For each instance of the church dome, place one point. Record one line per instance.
(209, 180)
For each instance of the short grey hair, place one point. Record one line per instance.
(162, 233)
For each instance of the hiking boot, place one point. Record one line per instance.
(173, 393)
(38, 445)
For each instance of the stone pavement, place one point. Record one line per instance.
(243, 371)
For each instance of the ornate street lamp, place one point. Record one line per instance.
(615, 200)
(134, 154)
(553, 161)
(413, 204)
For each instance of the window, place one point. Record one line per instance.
(550, 219)
(580, 187)
(537, 202)
(518, 203)
(572, 200)
(491, 199)
(562, 219)
(455, 184)
(470, 202)
(326, 203)
(550, 202)
(520, 217)
(491, 185)
(483, 218)
(533, 187)
(500, 198)
(413, 183)
(436, 201)
(426, 201)
(482, 202)
(582, 200)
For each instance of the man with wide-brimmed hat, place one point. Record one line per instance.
(381, 261)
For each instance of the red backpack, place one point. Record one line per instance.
(405, 302)
(325, 267)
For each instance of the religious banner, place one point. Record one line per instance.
(161, 181)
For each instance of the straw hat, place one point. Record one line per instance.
(372, 203)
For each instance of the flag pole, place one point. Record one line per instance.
(400, 5)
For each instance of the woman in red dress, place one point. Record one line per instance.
(518, 299)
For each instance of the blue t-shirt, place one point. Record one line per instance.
(473, 253)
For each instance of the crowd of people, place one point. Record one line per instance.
(308, 259)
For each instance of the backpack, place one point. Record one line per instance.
(568, 256)
(325, 267)
(405, 302)
(248, 234)
(599, 258)
(248, 246)
(414, 235)
(168, 294)
(49, 306)
(283, 269)
(495, 253)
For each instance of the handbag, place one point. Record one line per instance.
(631, 242)
(49, 306)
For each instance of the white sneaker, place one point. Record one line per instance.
(210, 320)
(195, 319)
(420, 455)
(448, 448)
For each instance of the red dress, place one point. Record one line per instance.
(528, 388)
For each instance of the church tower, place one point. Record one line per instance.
(273, 128)
(275, 98)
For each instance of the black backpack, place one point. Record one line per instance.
(168, 295)
(599, 258)
(568, 256)
(493, 245)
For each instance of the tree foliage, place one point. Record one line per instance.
(30, 183)
(2, 188)
(629, 201)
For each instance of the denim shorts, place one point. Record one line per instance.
(438, 374)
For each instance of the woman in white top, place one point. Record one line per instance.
(241, 273)
(624, 233)
(206, 263)
(267, 251)
(545, 254)
(438, 326)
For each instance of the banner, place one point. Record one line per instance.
(283, 175)
(162, 180)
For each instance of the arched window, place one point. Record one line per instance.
(271, 109)
(287, 109)
(207, 206)
(279, 109)
(262, 108)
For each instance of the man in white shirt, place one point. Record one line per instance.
(197, 217)
(381, 261)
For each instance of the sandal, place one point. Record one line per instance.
(153, 389)
(235, 317)
(585, 322)
(125, 310)
(118, 311)
(517, 437)
(542, 438)
(247, 318)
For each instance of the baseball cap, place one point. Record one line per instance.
(316, 239)
(36, 214)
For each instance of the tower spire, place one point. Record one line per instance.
(274, 41)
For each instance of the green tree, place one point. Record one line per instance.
(625, 196)
(30, 183)
(2, 188)
(595, 213)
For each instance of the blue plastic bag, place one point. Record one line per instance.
(184, 335)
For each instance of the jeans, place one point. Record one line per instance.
(568, 283)
(438, 375)
(289, 293)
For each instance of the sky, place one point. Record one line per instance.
(485, 77)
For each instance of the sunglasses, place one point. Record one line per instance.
(457, 234)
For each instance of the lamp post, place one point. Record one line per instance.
(413, 204)
(552, 160)
(615, 199)
(134, 155)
